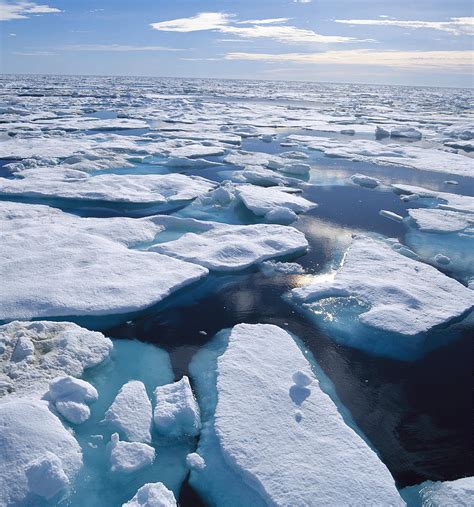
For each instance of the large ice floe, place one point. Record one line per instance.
(159, 190)
(424, 159)
(384, 291)
(458, 493)
(271, 435)
(51, 268)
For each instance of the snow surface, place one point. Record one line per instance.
(176, 411)
(152, 495)
(404, 296)
(316, 460)
(45, 476)
(131, 412)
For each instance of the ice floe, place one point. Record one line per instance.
(400, 295)
(256, 447)
(233, 247)
(457, 493)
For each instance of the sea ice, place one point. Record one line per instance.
(58, 348)
(156, 189)
(264, 200)
(70, 395)
(78, 273)
(270, 268)
(195, 462)
(31, 434)
(131, 412)
(152, 495)
(458, 493)
(128, 457)
(176, 412)
(403, 296)
(234, 247)
(365, 181)
(256, 450)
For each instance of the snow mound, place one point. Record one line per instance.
(176, 410)
(152, 495)
(34, 441)
(254, 426)
(271, 268)
(404, 296)
(234, 247)
(195, 462)
(128, 457)
(70, 395)
(48, 349)
(131, 412)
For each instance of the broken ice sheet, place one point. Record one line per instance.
(383, 302)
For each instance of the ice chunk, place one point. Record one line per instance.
(391, 215)
(406, 132)
(70, 395)
(176, 411)
(256, 450)
(233, 247)
(404, 296)
(270, 268)
(442, 200)
(45, 476)
(365, 181)
(131, 412)
(60, 348)
(195, 462)
(152, 495)
(458, 493)
(30, 434)
(281, 216)
(128, 457)
(263, 200)
(296, 169)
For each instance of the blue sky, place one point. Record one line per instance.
(427, 42)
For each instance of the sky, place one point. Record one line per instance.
(424, 42)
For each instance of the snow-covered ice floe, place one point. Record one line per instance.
(271, 436)
(128, 457)
(385, 291)
(458, 493)
(51, 268)
(34, 353)
(423, 159)
(165, 190)
(233, 247)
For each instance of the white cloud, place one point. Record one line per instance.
(202, 21)
(34, 53)
(114, 48)
(22, 10)
(260, 28)
(454, 60)
(457, 26)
